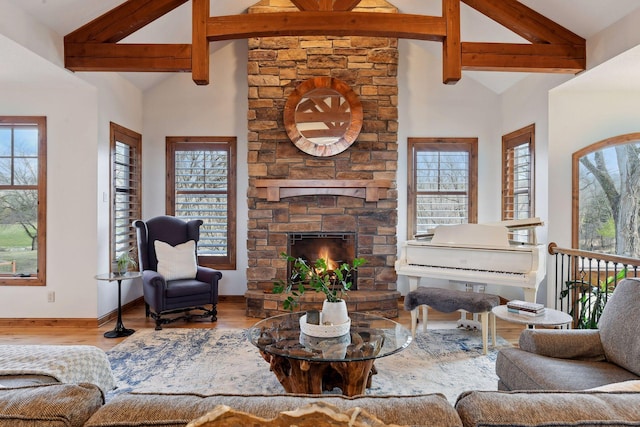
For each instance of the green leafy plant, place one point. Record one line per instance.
(317, 277)
(588, 307)
(124, 261)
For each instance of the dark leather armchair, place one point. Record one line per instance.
(163, 297)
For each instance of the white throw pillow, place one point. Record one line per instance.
(176, 262)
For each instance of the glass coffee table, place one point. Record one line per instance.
(311, 365)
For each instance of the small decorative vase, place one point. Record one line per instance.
(334, 313)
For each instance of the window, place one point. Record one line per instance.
(518, 178)
(443, 176)
(606, 196)
(201, 184)
(126, 198)
(23, 171)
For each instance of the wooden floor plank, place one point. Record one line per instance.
(231, 314)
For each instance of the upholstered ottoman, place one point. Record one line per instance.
(450, 300)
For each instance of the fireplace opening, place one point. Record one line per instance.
(334, 248)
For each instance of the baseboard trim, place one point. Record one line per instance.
(45, 322)
(231, 298)
(90, 323)
(69, 322)
(113, 315)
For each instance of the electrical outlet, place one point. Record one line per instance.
(51, 296)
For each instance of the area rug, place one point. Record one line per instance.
(207, 361)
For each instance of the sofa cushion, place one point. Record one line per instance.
(173, 410)
(619, 326)
(548, 408)
(521, 370)
(49, 405)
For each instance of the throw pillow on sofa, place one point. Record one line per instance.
(317, 414)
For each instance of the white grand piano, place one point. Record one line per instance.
(476, 254)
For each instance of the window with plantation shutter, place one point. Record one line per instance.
(442, 182)
(517, 178)
(201, 185)
(126, 175)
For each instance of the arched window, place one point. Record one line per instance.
(606, 196)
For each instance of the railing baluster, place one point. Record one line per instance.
(584, 281)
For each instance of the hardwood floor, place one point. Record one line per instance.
(231, 314)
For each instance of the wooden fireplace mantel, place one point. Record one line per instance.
(371, 190)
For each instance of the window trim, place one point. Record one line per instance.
(39, 279)
(230, 144)
(134, 140)
(509, 142)
(470, 145)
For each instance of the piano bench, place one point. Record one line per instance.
(450, 300)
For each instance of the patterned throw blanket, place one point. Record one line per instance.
(65, 363)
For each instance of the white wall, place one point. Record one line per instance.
(579, 119)
(524, 104)
(70, 107)
(119, 102)
(78, 114)
(178, 107)
(598, 104)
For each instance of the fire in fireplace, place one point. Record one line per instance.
(334, 248)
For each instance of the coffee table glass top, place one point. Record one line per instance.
(370, 337)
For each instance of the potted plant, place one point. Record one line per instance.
(589, 299)
(334, 284)
(124, 262)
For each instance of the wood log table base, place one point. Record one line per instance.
(311, 377)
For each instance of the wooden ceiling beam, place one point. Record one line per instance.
(451, 46)
(525, 21)
(127, 57)
(369, 24)
(93, 47)
(122, 21)
(306, 5)
(541, 58)
(345, 5)
(200, 43)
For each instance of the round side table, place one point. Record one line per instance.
(550, 317)
(119, 330)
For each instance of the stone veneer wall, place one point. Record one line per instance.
(276, 66)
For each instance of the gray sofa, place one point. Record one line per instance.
(562, 359)
(77, 405)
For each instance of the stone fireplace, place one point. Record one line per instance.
(293, 194)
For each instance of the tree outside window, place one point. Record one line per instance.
(22, 200)
(201, 185)
(606, 196)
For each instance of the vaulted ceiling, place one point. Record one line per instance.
(478, 30)
(549, 47)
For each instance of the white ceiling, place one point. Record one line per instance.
(583, 17)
